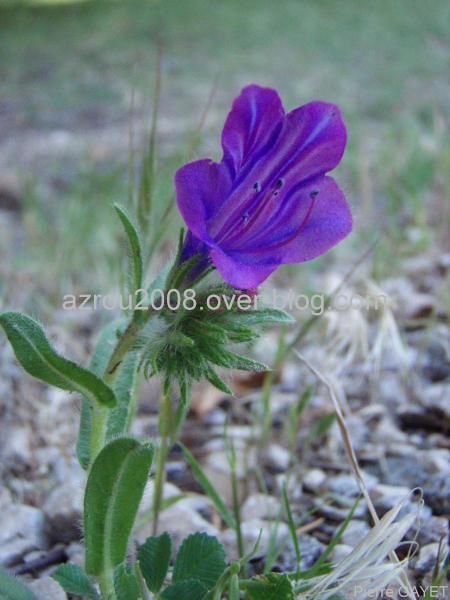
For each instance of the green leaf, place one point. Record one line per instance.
(200, 557)
(154, 558)
(147, 175)
(99, 361)
(124, 388)
(40, 360)
(191, 589)
(292, 528)
(209, 489)
(135, 249)
(120, 416)
(265, 316)
(74, 580)
(125, 584)
(114, 490)
(231, 360)
(273, 586)
(321, 426)
(303, 402)
(337, 537)
(13, 589)
(217, 381)
(84, 435)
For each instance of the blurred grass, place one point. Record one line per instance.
(373, 58)
(71, 67)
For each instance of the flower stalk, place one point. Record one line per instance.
(165, 430)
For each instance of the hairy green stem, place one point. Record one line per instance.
(124, 345)
(165, 430)
(106, 583)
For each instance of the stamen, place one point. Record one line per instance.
(278, 185)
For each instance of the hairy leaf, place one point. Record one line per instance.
(191, 589)
(273, 586)
(217, 381)
(154, 558)
(13, 589)
(40, 360)
(231, 360)
(113, 492)
(125, 584)
(135, 249)
(74, 580)
(265, 316)
(201, 557)
(124, 388)
(120, 416)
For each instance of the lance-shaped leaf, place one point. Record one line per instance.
(39, 359)
(13, 589)
(208, 487)
(264, 316)
(124, 388)
(120, 416)
(114, 490)
(135, 249)
(232, 360)
(74, 581)
(154, 559)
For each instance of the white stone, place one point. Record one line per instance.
(179, 520)
(313, 480)
(277, 457)
(250, 534)
(47, 589)
(260, 506)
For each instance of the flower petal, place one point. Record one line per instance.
(313, 140)
(250, 125)
(330, 222)
(244, 276)
(201, 187)
(311, 143)
(316, 219)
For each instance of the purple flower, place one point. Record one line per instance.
(268, 202)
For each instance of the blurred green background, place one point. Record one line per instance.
(67, 72)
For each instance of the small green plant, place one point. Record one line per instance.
(260, 207)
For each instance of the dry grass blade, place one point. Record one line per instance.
(365, 568)
(354, 461)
